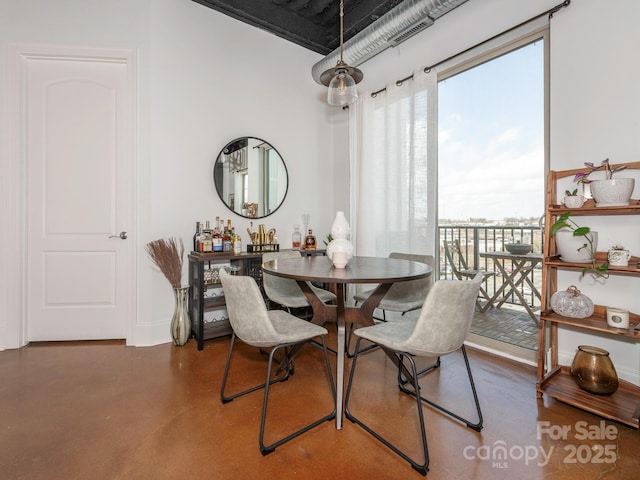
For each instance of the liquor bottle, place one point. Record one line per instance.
(196, 238)
(296, 238)
(227, 245)
(217, 237)
(236, 242)
(310, 241)
(206, 243)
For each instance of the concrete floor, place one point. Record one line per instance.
(101, 410)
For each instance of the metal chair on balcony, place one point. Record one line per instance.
(462, 271)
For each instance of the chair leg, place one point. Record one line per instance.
(477, 426)
(488, 303)
(402, 380)
(288, 361)
(267, 449)
(421, 468)
(350, 334)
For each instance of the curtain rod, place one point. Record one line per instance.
(549, 12)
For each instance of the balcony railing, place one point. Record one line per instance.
(475, 239)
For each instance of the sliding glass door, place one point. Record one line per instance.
(491, 171)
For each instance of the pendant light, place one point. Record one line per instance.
(342, 78)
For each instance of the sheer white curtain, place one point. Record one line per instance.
(393, 153)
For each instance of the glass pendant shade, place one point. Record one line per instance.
(342, 89)
(341, 79)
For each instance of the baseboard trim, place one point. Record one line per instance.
(502, 349)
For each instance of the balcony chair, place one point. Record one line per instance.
(285, 292)
(276, 329)
(402, 297)
(462, 272)
(440, 329)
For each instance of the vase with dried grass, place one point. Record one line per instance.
(168, 254)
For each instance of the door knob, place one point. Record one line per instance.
(122, 235)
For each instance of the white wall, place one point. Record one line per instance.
(213, 79)
(595, 115)
(203, 79)
(594, 112)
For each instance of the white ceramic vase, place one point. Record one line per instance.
(340, 243)
(340, 227)
(614, 192)
(570, 247)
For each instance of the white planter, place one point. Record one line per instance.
(570, 247)
(619, 257)
(575, 201)
(615, 192)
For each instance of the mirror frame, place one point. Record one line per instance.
(220, 164)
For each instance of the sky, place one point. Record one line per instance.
(491, 139)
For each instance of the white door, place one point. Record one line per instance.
(79, 161)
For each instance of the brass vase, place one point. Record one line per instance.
(593, 370)
(180, 323)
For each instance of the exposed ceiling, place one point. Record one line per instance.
(313, 24)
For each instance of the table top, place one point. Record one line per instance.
(516, 256)
(358, 270)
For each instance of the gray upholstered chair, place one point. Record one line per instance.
(285, 291)
(440, 329)
(402, 297)
(275, 329)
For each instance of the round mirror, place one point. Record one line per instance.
(250, 177)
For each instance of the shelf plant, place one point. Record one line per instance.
(583, 177)
(572, 199)
(565, 222)
(609, 191)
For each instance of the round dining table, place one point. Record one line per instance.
(364, 270)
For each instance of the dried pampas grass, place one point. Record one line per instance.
(167, 256)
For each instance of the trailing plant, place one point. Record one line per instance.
(598, 271)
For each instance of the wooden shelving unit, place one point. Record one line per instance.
(555, 380)
(622, 406)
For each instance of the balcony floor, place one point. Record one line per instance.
(510, 324)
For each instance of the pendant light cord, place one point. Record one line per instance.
(341, 29)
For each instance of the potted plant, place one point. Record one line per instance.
(618, 255)
(609, 192)
(572, 199)
(578, 244)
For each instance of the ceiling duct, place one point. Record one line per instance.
(400, 23)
